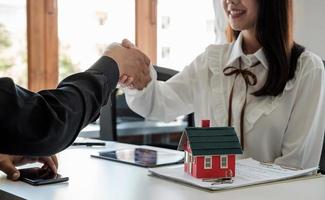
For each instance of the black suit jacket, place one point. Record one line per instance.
(47, 122)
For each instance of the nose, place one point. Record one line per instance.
(235, 2)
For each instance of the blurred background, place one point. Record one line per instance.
(43, 41)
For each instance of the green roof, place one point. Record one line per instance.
(212, 141)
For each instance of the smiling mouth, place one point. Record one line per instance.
(236, 13)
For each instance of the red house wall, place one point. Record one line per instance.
(216, 172)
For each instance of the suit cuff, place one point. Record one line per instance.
(108, 67)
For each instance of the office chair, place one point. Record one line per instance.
(322, 158)
(117, 111)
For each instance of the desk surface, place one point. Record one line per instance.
(92, 178)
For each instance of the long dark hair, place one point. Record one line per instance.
(274, 33)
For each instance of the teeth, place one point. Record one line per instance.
(236, 12)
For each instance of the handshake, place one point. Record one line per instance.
(134, 66)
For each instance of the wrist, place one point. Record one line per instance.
(114, 58)
(106, 66)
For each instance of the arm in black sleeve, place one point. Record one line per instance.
(47, 122)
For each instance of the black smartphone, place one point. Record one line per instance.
(39, 176)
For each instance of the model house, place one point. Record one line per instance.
(210, 153)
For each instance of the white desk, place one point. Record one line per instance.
(96, 179)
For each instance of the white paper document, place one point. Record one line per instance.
(248, 172)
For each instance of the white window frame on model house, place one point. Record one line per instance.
(207, 162)
(223, 161)
(186, 157)
(190, 162)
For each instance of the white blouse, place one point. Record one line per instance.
(287, 129)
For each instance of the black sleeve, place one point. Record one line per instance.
(47, 122)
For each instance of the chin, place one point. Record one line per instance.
(236, 28)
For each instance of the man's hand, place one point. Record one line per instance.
(8, 164)
(132, 63)
(125, 80)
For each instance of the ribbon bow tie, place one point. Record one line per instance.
(249, 77)
(250, 80)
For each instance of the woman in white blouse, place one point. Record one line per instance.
(263, 84)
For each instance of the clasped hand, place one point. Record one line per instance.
(134, 65)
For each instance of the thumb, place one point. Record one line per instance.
(127, 44)
(112, 46)
(8, 168)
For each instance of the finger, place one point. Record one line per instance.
(127, 44)
(147, 60)
(146, 72)
(131, 86)
(145, 81)
(49, 162)
(8, 168)
(123, 79)
(45, 167)
(112, 46)
(138, 85)
(129, 81)
(141, 81)
(55, 160)
(146, 76)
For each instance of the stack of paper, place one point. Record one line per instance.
(248, 172)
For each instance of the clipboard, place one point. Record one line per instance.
(248, 172)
